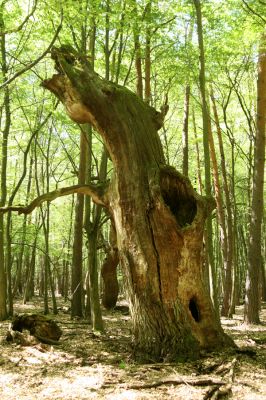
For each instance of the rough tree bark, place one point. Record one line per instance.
(159, 218)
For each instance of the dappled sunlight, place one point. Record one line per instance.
(82, 386)
(89, 366)
(7, 378)
(125, 395)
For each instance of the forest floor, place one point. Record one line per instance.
(89, 366)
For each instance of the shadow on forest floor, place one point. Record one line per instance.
(89, 366)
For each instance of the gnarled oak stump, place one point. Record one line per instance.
(159, 218)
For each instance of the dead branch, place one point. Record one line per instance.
(94, 191)
(192, 382)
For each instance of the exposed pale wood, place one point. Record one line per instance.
(95, 191)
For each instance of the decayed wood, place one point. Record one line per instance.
(158, 217)
(41, 327)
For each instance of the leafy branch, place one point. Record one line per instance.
(33, 63)
(252, 11)
(15, 30)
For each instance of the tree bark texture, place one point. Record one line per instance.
(158, 217)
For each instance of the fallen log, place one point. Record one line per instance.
(40, 326)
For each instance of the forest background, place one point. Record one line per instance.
(152, 48)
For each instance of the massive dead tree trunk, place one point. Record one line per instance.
(158, 217)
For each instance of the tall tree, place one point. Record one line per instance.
(252, 300)
(205, 123)
(186, 105)
(6, 121)
(227, 239)
(138, 57)
(77, 280)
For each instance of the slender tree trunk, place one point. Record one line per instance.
(96, 315)
(3, 195)
(200, 187)
(229, 233)
(121, 44)
(205, 118)
(18, 283)
(44, 258)
(3, 284)
(186, 108)
(222, 225)
(29, 287)
(107, 38)
(138, 61)
(67, 259)
(87, 221)
(46, 229)
(109, 273)
(77, 280)
(252, 300)
(148, 54)
(47, 277)
(185, 131)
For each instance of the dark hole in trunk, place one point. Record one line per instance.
(194, 309)
(184, 208)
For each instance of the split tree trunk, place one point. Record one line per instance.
(159, 218)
